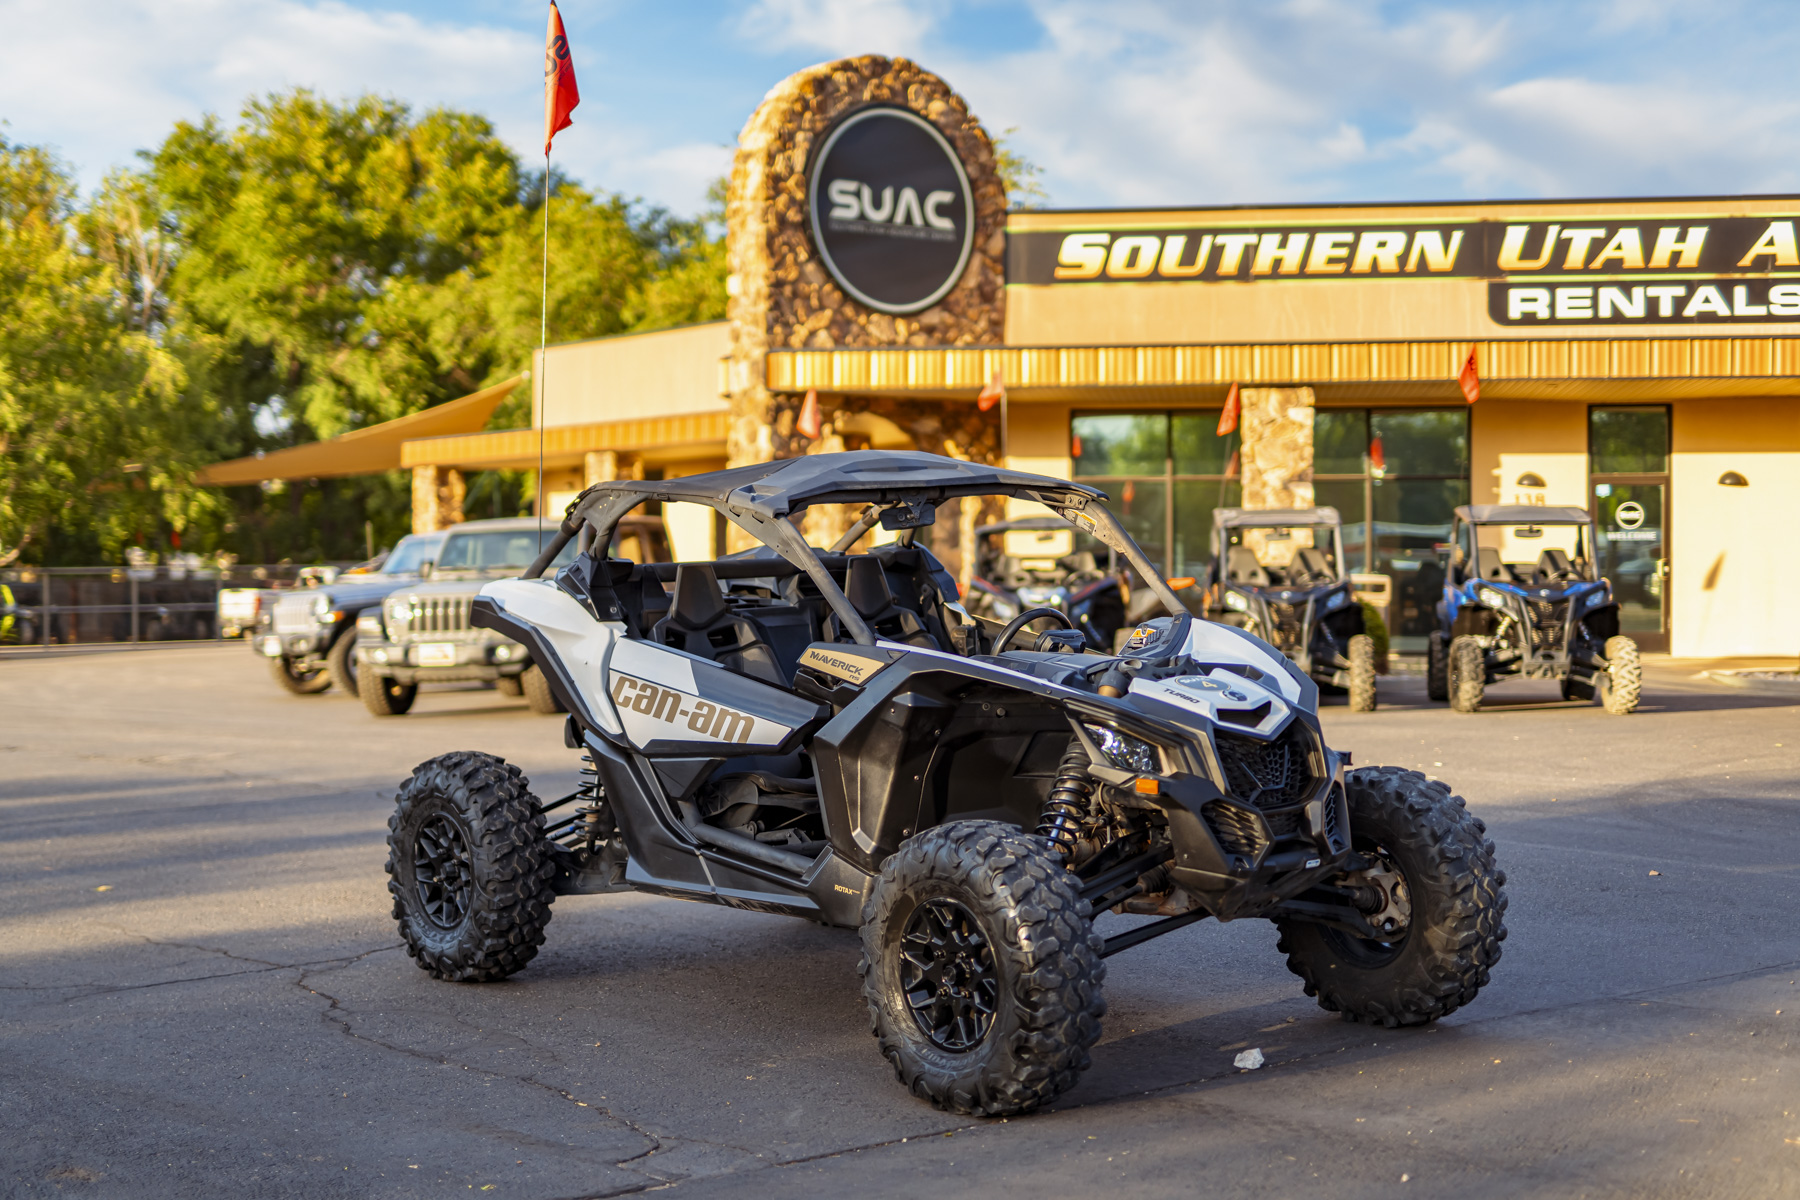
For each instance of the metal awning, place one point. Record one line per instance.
(363, 451)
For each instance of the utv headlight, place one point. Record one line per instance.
(1126, 752)
(1236, 602)
(1337, 600)
(1494, 599)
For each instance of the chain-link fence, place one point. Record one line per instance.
(61, 606)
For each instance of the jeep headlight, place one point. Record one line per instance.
(399, 612)
(1493, 598)
(1236, 602)
(1126, 752)
(321, 607)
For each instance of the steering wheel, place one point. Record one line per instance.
(1025, 618)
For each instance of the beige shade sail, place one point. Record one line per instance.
(363, 451)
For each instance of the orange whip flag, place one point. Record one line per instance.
(560, 93)
(992, 394)
(1229, 418)
(808, 426)
(1470, 381)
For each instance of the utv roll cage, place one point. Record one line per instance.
(1223, 570)
(899, 489)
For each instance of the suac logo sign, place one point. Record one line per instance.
(890, 209)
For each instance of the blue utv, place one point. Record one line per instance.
(1522, 600)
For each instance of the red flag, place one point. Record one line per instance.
(992, 394)
(808, 424)
(1229, 418)
(560, 93)
(1470, 381)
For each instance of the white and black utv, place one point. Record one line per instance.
(825, 734)
(1522, 601)
(1279, 573)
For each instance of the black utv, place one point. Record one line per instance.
(1522, 601)
(1279, 573)
(829, 735)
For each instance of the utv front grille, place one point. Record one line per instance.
(1549, 618)
(1289, 627)
(439, 614)
(1270, 774)
(1237, 829)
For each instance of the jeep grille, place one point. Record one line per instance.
(1270, 774)
(438, 614)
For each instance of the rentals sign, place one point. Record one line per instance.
(1580, 271)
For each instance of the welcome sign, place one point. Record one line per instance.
(1568, 271)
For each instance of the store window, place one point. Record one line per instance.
(1167, 471)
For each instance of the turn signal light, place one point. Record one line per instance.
(1181, 581)
(1148, 787)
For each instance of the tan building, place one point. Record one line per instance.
(1640, 358)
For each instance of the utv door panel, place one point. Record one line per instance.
(674, 703)
(651, 838)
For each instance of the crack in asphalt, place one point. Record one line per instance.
(258, 966)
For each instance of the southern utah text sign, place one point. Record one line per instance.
(890, 209)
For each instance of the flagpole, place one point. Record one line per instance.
(543, 352)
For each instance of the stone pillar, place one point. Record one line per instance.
(599, 466)
(779, 294)
(1277, 458)
(437, 498)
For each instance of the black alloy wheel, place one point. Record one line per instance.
(947, 971)
(441, 871)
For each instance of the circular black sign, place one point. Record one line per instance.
(891, 210)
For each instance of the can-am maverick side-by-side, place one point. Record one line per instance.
(826, 734)
(1279, 574)
(1522, 600)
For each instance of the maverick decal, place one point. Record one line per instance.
(1655, 270)
(890, 209)
(652, 712)
(839, 666)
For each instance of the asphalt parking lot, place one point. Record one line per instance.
(201, 992)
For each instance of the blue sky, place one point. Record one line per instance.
(1128, 103)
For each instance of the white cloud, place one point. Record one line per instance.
(842, 27)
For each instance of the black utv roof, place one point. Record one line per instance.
(775, 489)
(1522, 514)
(1231, 517)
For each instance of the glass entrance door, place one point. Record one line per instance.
(1632, 550)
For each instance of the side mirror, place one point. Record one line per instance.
(426, 567)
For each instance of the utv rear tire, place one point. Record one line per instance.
(301, 683)
(341, 663)
(538, 694)
(384, 696)
(1622, 683)
(1468, 674)
(1437, 667)
(1452, 938)
(468, 868)
(1362, 673)
(509, 685)
(1011, 1027)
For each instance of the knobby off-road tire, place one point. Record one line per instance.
(1362, 673)
(341, 663)
(1452, 939)
(537, 692)
(1035, 958)
(1622, 683)
(301, 683)
(1468, 674)
(384, 696)
(468, 868)
(1437, 667)
(509, 685)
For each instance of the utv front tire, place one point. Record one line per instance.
(468, 868)
(1622, 683)
(299, 682)
(1435, 869)
(981, 969)
(384, 696)
(1437, 667)
(1362, 673)
(537, 692)
(1468, 674)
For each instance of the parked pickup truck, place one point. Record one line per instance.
(310, 633)
(421, 633)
